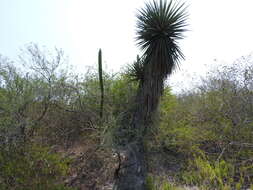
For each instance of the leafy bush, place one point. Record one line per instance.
(31, 167)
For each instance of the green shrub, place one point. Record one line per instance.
(157, 183)
(150, 183)
(209, 174)
(31, 167)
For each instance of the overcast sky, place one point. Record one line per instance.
(220, 30)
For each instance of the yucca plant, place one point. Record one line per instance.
(136, 70)
(159, 27)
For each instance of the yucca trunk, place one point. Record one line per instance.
(132, 172)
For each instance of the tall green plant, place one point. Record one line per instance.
(159, 27)
(100, 72)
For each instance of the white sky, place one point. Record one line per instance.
(220, 30)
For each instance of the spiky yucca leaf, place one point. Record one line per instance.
(159, 27)
(136, 70)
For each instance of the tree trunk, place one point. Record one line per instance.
(131, 173)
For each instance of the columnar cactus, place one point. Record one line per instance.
(100, 72)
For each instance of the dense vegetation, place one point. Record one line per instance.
(125, 131)
(210, 128)
(52, 135)
(50, 121)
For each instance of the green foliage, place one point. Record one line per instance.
(136, 70)
(160, 25)
(54, 109)
(31, 167)
(210, 174)
(211, 128)
(150, 183)
(156, 183)
(176, 133)
(208, 130)
(121, 93)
